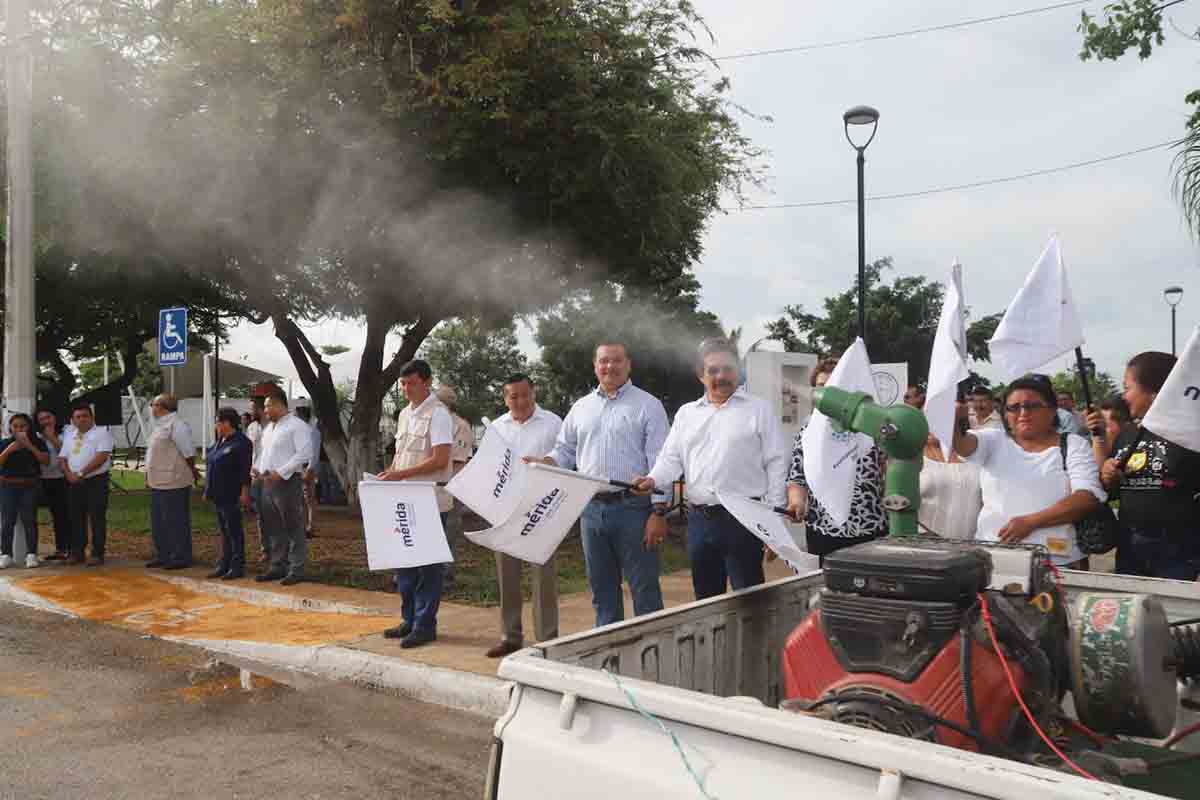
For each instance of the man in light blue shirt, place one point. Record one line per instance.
(616, 432)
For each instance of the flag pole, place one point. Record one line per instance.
(1083, 378)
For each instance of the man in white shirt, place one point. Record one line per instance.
(254, 433)
(727, 440)
(983, 413)
(532, 431)
(86, 457)
(170, 473)
(424, 438)
(279, 461)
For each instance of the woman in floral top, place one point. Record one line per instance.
(867, 518)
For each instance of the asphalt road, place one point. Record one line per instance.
(92, 711)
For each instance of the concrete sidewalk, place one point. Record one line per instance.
(326, 630)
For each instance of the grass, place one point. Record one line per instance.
(337, 554)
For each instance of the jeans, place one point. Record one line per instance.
(17, 502)
(282, 523)
(613, 535)
(87, 501)
(233, 538)
(720, 548)
(256, 506)
(54, 497)
(171, 524)
(420, 591)
(1162, 553)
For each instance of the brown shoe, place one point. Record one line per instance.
(503, 649)
(96, 561)
(75, 558)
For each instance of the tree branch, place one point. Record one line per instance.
(414, 335)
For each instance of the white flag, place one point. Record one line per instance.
(551, 500)
(1175, 413)
(948, 364)
(402, 524)
(1042, 323)
(831, 455)
(767, 524)
(492, 482)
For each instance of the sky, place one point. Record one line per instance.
(956, 106)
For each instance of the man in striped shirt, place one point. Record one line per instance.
(616, 432)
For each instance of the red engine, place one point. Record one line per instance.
(885, 650)
(812, 671)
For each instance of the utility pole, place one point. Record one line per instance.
(20, 389)
(20, 386)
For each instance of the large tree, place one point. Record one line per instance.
(1138, 24)
(902, 320)
(401, 164)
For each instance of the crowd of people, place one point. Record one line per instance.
(1024, 467)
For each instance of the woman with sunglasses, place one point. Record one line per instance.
(1158, 483)
(1028, 495)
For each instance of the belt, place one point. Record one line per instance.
(711, 509)
(613, 497)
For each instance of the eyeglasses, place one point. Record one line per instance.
(720, 369)
(1017, 408)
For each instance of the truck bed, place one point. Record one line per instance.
(590, 714)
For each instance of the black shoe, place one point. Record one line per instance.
(418, 638)
(155, 564)
(219, 572)
(291, 579)
(177, 565)
(273, 575)
(233, 575)
(503, 649)
(398, 632)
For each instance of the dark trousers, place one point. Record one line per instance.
(420, 591)
(233, 538)
(1156, 552)
(54, 498)
(18, 503)
(171, 524)
(87, 502)
(720, 549)
(282, 523)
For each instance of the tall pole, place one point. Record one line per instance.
(862, 253)
(217, 364)
(20, 388)
(1172, 330)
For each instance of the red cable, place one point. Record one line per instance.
(1096, 738)
(1012, 684)
(1183, 734)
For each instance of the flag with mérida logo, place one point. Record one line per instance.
(402, 524)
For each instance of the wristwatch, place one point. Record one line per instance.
(660, 510)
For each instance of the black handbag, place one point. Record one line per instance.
(1099, 531)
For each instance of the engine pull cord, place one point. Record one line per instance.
(1012, 684)
(1183, 734)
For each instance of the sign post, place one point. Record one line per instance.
(172, 340)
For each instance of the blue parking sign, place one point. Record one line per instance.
(172, 337)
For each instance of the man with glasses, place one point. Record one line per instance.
(727, 440)
(616, 432)
(983, 412)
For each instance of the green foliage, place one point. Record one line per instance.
(902, 323)
(660, 329)
(1138, 24)
(1102, 386)
(475, 359)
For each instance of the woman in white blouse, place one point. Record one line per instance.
(950, 495)
(1027, 494)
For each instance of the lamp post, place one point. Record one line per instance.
(861, 116)
(1173, 294)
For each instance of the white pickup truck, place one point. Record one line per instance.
(684, 703)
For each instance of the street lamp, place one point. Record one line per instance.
(1173, 294)
(859, 116)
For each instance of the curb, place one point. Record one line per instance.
(465, 691)
(258, 597)
(23, 598)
